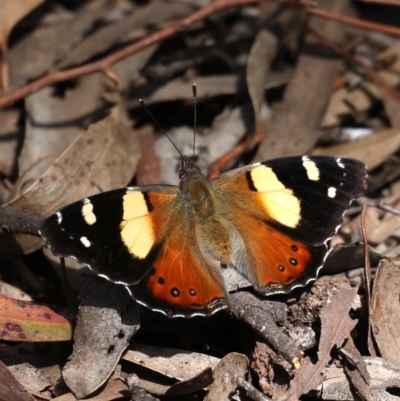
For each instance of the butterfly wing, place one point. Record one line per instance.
(144, 239)
(292, 206)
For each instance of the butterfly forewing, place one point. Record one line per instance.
(303, 196)
(113, 232)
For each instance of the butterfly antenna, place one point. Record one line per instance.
(159, 127)
(194, 89)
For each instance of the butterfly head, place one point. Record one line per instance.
(189, 170)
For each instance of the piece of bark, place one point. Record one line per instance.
(261, 315)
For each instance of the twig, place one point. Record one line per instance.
(19, 221)
(251, 391)
(367, 274)
(391, 30)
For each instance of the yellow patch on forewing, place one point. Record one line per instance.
(87, 212)
(279, 201)
(136, 228)
(311, 168)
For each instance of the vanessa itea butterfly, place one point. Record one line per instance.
(167, 244)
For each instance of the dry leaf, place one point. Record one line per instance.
(356, 370)
(113, 390)
(10, 388)
(373, 150)
(29, 321)
(231, 367)
(385, 309)
(11, 11)
(384, 385)
(32, 378)
(101, 159)
(259, 61)
(336, 327)
(53, 122)
(173, 363)
(106, 321)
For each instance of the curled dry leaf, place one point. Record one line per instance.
(11, 11)
(231, 367)
(106, 321)
(101, 159)
(385, 306)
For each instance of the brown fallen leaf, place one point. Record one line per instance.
(385, 307)
(230, 368)
(11, 11)
(10, 388)
(356, 370)
(336, 326)
(113, 390)
(259, 62)
(171, 362)
(101, 159)
(373, 150)
(384, 385)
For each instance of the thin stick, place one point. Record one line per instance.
(367, 274)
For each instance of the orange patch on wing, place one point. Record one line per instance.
(274, 259)
(184, 280)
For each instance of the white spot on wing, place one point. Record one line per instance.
(312, 169)
(86, 242)
(339, 162)
(331, 192)
(59, 217)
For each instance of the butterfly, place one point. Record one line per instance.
(168, 245)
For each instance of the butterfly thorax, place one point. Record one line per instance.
(197, 189)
